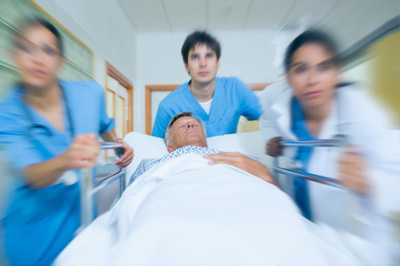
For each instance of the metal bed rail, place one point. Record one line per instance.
(338, 141)
(90, 185)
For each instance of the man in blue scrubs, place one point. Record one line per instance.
(218, 102)
(49, 129)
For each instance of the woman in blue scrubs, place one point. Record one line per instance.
(49, 129)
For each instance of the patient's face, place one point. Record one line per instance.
(186, 131)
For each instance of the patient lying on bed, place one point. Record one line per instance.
(183, 210)
(185, 134)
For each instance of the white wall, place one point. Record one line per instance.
(104, 27)
(154, 58)
(249, 55)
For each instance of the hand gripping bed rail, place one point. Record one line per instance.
(90, 185)
(378, 229)
(338, 141)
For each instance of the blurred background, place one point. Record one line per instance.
(132, 47)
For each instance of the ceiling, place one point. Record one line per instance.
(350, 20)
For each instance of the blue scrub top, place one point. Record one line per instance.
(232, 98)
(40, 222)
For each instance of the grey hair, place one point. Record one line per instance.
(166, 136)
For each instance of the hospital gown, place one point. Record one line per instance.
(147, 164)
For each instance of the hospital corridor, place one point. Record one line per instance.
(200, 132)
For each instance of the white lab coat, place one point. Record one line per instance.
(368, 127)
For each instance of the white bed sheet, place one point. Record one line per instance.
(186, 212)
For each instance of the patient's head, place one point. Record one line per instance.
(183, 130)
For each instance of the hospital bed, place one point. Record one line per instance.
(93, 182)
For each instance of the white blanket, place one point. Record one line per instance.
(187, 212)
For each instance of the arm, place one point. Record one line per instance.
(26, 158)
(371, 165)
(243, 162)
(249, 103)
(81, 154)
(44, 174)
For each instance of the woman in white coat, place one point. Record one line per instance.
(316, 106)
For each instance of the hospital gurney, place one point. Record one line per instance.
(298, 171)
(93, 182)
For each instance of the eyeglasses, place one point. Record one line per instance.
(32, 49)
